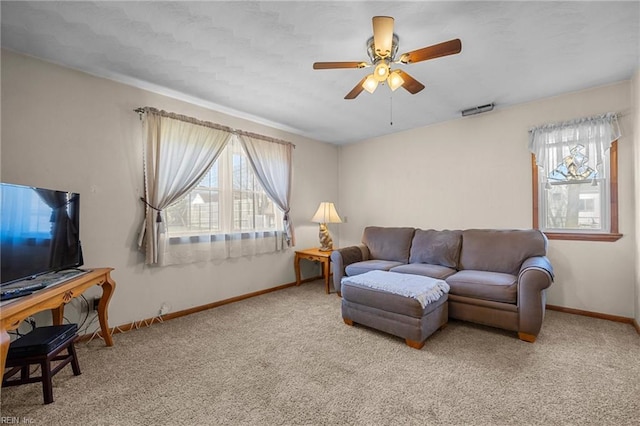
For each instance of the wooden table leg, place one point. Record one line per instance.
(4, 350)
(326, 265)
(296, 265)
(108, 288)
(57, 315)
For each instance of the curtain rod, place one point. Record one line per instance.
(553, 126)
(162, 113)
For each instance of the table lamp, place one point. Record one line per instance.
(326, 214)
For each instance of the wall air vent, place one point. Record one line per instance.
(478, 110)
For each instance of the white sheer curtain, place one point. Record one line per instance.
(272, 163)
(177, 155)
(551, 143)
(244, 225)
(204, 248)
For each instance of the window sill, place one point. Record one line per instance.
(220, 237)
(570, 236)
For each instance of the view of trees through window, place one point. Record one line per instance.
(574, 194)
(575, 205)
(578, 203)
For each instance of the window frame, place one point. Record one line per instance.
(613, 234)
(226, 192)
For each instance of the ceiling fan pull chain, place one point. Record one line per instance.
(390, 110)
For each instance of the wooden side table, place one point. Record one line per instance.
(315, 255)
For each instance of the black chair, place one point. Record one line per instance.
(41, 347)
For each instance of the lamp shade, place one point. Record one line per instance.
(395, 80)
(370, 84)
(326, 213)
(381, 72)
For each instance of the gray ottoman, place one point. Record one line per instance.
(383, 308)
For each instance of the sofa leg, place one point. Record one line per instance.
(347, 321)
(414, 344)
(527, 337)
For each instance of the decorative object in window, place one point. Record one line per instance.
(574, 167)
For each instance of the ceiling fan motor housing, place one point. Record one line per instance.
(374, 57)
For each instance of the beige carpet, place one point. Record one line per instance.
(287, 358)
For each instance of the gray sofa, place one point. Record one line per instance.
(496, 277)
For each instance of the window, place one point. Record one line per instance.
(202, 199)
(575, 179)
(228, 200)
(252, 208)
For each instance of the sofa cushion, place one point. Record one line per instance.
(388, 243)
(370, 265)
(494, 286)
(425, 269)
(500, 250)
(436, 247)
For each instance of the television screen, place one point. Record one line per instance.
(39, 231)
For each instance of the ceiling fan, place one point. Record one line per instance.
(382, 49)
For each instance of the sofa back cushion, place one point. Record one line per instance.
(388, 243)
(436, 247)
(500, 250)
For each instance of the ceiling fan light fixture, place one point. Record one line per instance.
(370, 84)
(395, 80)
(382, 50)
(381, 71)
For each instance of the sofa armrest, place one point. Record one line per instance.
(341, 258)
(537, 262)
(536, 275)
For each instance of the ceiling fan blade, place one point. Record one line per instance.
(356, 90)
(410, 84)
(382, 35)
(450, 47)
(336, 65)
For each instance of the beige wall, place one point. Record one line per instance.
(476, 172)
(64, 129)
(635, 93)
(69, 130)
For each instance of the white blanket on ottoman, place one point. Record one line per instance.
(424, 289)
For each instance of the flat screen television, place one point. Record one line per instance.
(39, 232)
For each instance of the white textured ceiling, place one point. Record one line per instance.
(254, 59)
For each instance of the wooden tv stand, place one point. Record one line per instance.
(13, 312)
